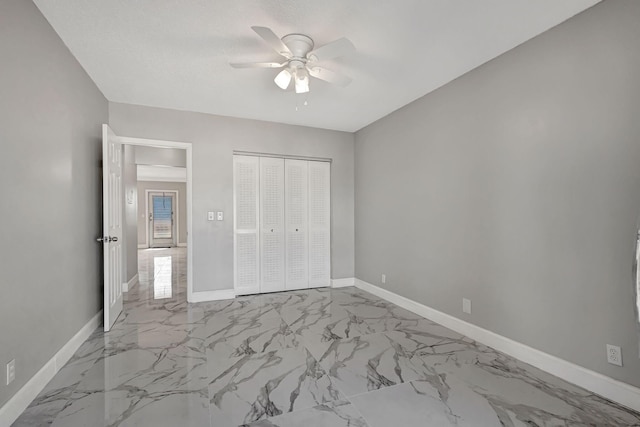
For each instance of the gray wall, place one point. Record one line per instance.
(214, 138)
(181, 188)
(50, 180)
(518, 186)
(130, 214)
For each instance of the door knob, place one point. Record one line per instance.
(102, 239)
(113, 239)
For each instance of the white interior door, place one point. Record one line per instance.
(271, 224)
(319, 224)
(112, 229)
(296, 214)
(246, 208)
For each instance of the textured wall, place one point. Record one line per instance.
(50, 180)
(518, 186)
(214, 139)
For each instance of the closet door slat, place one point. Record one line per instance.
(272, 224)
(296, 214)
(319, 224)
(246, 208)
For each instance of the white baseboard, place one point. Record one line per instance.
(212, 295)
(21, 400)
(182, 245)
(143, 246)
(595, 382)
(128, 285)
(341, 283)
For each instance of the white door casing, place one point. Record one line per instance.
(271, 224)
(296, 214)
(246, 222)
(112, 225)
(319, 224)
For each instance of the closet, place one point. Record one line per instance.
(281, 224)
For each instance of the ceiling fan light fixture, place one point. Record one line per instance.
(302, 81)
(301, 56)
(283, 79)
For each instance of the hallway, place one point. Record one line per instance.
(321, 357)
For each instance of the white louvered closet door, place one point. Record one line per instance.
(246, 242)
(319, 224)
(296, 214)
(271, 224)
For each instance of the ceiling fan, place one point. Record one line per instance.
(301, 59)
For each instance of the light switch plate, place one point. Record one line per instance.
(211, 216)
(220, 216)
(466, 305)
(11, 371)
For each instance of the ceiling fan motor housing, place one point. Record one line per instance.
(299, 45)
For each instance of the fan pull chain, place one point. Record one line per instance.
(304, 104)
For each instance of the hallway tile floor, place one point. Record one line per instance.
(319, 357)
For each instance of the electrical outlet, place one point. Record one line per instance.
(466, 305)
(11, 371)
(383, 279)
(211, 216)
(614, 355)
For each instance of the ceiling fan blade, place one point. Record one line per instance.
(273, 41)
(329, 76)
(257, 64)
(340, 47)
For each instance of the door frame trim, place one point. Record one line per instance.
(177, 216)
(188, 147)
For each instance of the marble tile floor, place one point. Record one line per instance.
(313, 358)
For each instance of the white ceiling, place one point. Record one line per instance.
(175, 54)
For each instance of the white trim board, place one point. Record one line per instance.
(128, 285)
(595, 382)
(21, 400)
(342, 283)
(203, 296)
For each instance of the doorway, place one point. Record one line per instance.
(113, 234)
(161, 212)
